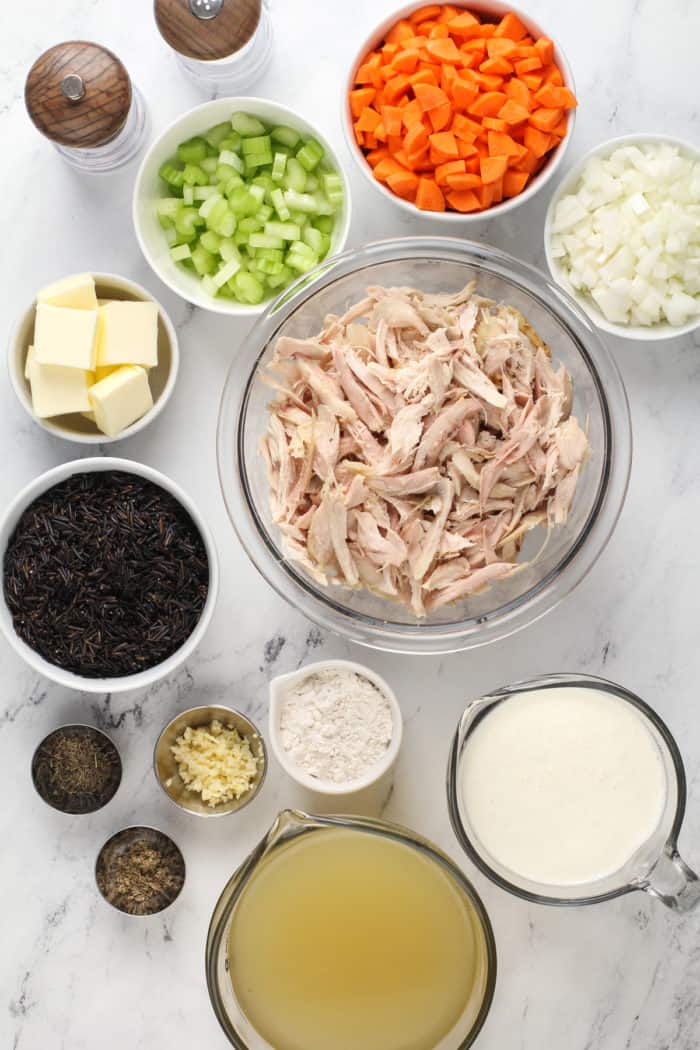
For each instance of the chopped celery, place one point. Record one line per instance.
(246, 125)
(279, 166)
(193, 151)
(287, 136)
(249, 207)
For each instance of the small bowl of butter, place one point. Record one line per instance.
(94, 358)
(210, 760)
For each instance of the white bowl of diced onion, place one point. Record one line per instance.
(149, 189)
(634, 268)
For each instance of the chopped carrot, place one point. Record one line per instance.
(465, 127)
(424, 13)
(444, 142)
(392, 119)
(429, 196)
(498, 66)
(464, 200)
(513, 113)
(439, 32)
(562, 127)
(531, 80)
(403, 183)
(440, 117)
(430, 97)
(473, 164)
(375, 155)
(500, 47)
(463, 181)
(386, 167)
(527, 65)
(514, 182)
(476, 45)
(466, 149)
(545, 49)
(488, 104)
(488, 81)
(448, 75)
(464, 25)
(359, 98)
(494, 124)
(493, 168)
(510, 26)
(501, 145)
(530, 163)
(536, 141)
(416, 138)
(369, 118)
(412, 113)
(447, 12)
(552, 75)
(443, 50)
(402, 31)
(406, 61)
(555, 97)
(546, 119)
(464, 94)
(487, 30)
(424, 76)
(451, 167)
(395, 88)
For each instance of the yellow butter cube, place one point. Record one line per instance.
(28, 362)
(76, 292)
(57, 391)
(120, 399)
(65, 337)
(128, 334)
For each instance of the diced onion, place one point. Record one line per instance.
(628, 236)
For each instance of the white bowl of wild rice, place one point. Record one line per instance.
(111, 595)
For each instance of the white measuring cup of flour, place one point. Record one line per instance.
(365, 795)
(655, 868)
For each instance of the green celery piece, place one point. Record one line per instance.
(240, 238)
(165, 223)
(193, 151)
(258, 192)
(288, 231)
(325, 224)
(312, 184)
(314, 239)
(325, 246)
(287, 136)
(279, 166)
(168, 207)
(299, 217)
(209, 204)
(216, 135)
(324, 206)
(249, 225)
(258, 144)
(203, 193)
(227, 249)
(333, 187)
(281, 279)
(247, 126)
(187, 220)
(208, 286)
(226, 272)
(264, 213)
(264, 240)
(264, 179)
(304, 202)
(310, 154)
(194, 176)
(180, 253)
(225, 224)
(170, 235)
(209, 165)
(233, 183)
(172, 175)
(278, 203)
(300, 248)
(231, 142)
(248, 287)
(295, 179)
(301, 263)
(232, 159)
(270, 262)
(210, 241)
(242, 202)
(254, 161)
(204, 261)
(224, 172)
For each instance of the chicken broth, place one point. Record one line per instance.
(355, 941)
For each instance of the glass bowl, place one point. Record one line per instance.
(432, 264)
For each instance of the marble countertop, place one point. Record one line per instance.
(74, 974)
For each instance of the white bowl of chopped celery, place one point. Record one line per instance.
(235, 200)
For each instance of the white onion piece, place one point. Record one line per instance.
(629, 235)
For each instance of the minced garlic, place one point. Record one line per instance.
(216, 762)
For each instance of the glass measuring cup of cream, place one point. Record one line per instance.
(570, 790)
(353, 934)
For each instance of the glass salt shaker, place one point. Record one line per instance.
(80, 97)
(218, 43)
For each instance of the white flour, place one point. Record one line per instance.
(335, 725)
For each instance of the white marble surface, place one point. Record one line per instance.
(75, 975)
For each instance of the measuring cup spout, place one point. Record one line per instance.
(673, 882)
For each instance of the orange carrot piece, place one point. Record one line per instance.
(443, 50)
(552, 75)
(406, 61)
(555, 97)
(439, 32)
(473, 164)
(501, 145)
(415, 139)
(392, 120)
(485, 195)
(441, 117)
(527, 65)
(497, 191)
(498, 66)
(359, 136)
(514, 182)
(359, 98)
(510, 26)
(545, 49)
(412, 113)
(487, 30)
(532, 81)
(463, 181)
(403, 184)
(465, 128)
(380, 132)
(424, 13)
(448, 76)
(493, 168)
(546, 119)
(536, 141)
(429, 196)
(513, 113)
(402, 31)
(465, 24)
(444, 142)
(466, 149)
(529, 163)
(463, 200)
(562, 127)
(371, 142)
(451, 167)
(447, 12)
(464, 94)
(488, 104)
(386, 167)
(424, 76)
(369, 118)
(494, 124)
(390, 50)
(430, 97)
(377, 155)
(500, 47)
(395, 88)
(488, 81)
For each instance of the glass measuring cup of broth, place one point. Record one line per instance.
(353, 934)
(569, 789)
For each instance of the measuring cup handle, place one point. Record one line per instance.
(673, 883)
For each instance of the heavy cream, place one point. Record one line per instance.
(562, 786)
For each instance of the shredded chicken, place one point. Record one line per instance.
(415, 441)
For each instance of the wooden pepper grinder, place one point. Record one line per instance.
(80, 96)
(217, 42)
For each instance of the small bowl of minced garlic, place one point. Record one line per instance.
(210, 761)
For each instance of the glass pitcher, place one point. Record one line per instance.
(656, 868)
(290, 825)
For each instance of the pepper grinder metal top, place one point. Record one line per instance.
(80, 97)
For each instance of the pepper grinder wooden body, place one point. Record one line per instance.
(217, 42)
(80, 97)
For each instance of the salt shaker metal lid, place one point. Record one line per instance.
(79, 95)
(207, 30)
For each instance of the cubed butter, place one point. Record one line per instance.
(102, 373)
(76, 292)
(120, 399)
(56, 391)
(65, 337)
(128, 334)
(28, 362)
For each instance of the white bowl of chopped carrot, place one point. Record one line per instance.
(459, 110)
